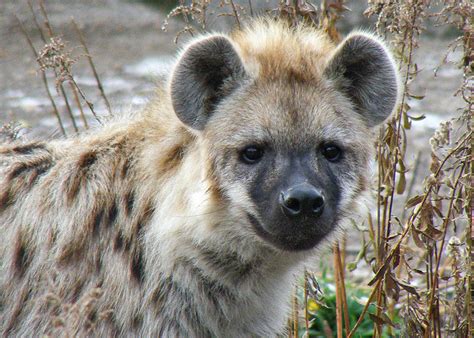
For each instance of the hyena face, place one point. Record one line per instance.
(289, 147)
(292, 160)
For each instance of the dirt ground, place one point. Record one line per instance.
(131, 51)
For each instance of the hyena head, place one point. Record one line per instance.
(286, 119)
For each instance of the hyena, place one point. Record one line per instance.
(192, 217)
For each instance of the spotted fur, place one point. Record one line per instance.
(147, 226)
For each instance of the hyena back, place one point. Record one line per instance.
(192, 217)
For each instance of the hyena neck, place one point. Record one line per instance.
(206, 255)
(197, 220)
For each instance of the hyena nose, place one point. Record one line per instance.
(302, 200)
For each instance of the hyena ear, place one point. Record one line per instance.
(363, 69)
(207, 71)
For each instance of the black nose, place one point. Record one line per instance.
(302, 200)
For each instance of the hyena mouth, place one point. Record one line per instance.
(301, 238)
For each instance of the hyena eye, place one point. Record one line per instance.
(331, 152)
(251, 154)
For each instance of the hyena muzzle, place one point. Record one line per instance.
(191, 217)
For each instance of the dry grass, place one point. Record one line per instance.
(421, 256)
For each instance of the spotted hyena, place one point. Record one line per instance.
(191, 217)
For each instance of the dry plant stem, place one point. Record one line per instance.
(44, 78)
(387, 218)
(339, 267)
(250, 8)
(338, 294)
(380, 273)
(79, 105)
(186, 19)
(89, 104)
(412, 182)
(236, 14)
(364, 310)
(68, 108)
(295, 312)
(92, 65)
(40, 31)
(415, 213)
(306, 314)
(434, 282)
(61, 87)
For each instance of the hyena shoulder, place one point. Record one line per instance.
(192, 217)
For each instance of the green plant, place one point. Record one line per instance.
(321, 311)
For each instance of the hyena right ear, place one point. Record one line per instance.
(363, 69)
(207, 71)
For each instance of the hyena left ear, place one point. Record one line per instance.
(363, 69)
(207, 71)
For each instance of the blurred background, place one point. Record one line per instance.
(130, 51)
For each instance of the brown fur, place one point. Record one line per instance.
(141, 228)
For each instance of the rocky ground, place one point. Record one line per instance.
(131, 51)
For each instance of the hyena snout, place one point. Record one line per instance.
(302, 200)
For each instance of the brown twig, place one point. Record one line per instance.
(434, 281)
(306, 314)
(250, 8)
(44, 78)
(61, 87)
(341, 287)
(417, 211)
(236, 14)
(364, 310)
(79, 105)
(92, 65)
(337, 279)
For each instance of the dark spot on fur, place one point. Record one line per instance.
(173, 158)
(125, 168)
(157, 296)
(114, 325)
(27, 149)
(38, 172)
(112, 215)
(79, 177)
(21, 256)
(127, 245)
(2, 301)
(17, 170)
(71, 252)
(6, 198)
(97, 220)
(35, 168)
(118, 241)
(92, 316)
(98, 262)
(137, 266)
(87, 159)
(137, 322)
(129, 202)
(77, 291)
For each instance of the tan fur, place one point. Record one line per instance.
(275, 51)
(130, 226)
